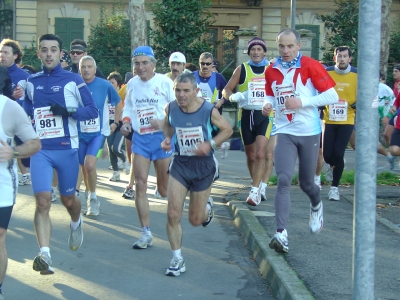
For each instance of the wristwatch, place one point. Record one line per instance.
(213, 144)
(15, 153)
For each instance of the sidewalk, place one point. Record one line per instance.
(318, 266)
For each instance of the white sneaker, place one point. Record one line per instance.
(317, 180)
(53, 195)
(334, 194)
(145, 240)
(24, 180)
(93, 207)
(224, 149)
(210, 212)
(42, 264)
(316, 218)
(76, 237)
(254, 197)
(279, 242)
(115, 176)
(157, 194)
(121, 164)
(329, 174)
(263, 191)
(177, 266)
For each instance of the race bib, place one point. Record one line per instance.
(90, 126)
(204, 95)
(256, 91)
(111, 111)
(47, 125)
(144, 116)
(188, 138)
(282, 93)
(338, 111)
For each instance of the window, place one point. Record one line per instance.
(315, 40)
(69, 29)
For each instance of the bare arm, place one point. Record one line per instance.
(27, 149)
(232, 83)
(168, 131)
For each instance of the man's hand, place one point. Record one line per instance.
(166, 145)
(6, 152)
(236, 97)
(126, 129)
(18, 92)
(203, 149)
(393, 109)
(219, 103)
(58, 110)
(266, 110)
(293, 103)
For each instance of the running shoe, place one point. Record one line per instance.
(76, 238)
(128, 193)
(224, 150)
(53, 195)
(391, 161)
(254, 197)
(42, 264)
(115, 176)
(121, 164)
(24, 180)
(93, 207)
(145, 240)
(263, 191)
(329, 174)
(279, 242)
(176, 267)
(210, 212)
(317, 181)
(333, 194)
(316, 218)
(157, 194)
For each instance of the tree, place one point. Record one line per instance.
(181, 26)
(109, 42)
(343, 26)
(385, 35)
(137, 19)
(6, 17)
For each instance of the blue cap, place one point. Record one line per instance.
(143, 51)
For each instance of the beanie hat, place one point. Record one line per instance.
(397, 67)
(143, 51)
(177, 57)
(256, 41)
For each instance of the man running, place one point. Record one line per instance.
(296, 85)
(177, 63)
(255, 128)
(188, 122)
(53, 100)
(147, 95)
(339, 117)
(13, 121)
(92, 133)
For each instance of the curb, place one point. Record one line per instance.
(281, 278)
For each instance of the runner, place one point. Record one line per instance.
(147, 95)
(92, 132)
(296, 85)
(52, 100)
(255, 128)
(188, 122)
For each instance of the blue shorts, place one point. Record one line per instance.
(93, 147)
(149, 146)
(66, 164)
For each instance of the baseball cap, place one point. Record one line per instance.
(177, 57)
(143, 51)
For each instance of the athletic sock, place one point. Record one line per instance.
(75, 225)
(45, 249)
(93, 195)
(177, 253)
(146, 229)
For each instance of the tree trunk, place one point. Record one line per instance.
(137, 17)
(385, 35)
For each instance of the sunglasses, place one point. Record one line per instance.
(76, 52)
(206, 63)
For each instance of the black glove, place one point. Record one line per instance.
(353, 106)
(321, 107)
(58, 110)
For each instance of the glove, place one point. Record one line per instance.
(353, 106)
(236, 97)
(58, 110)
